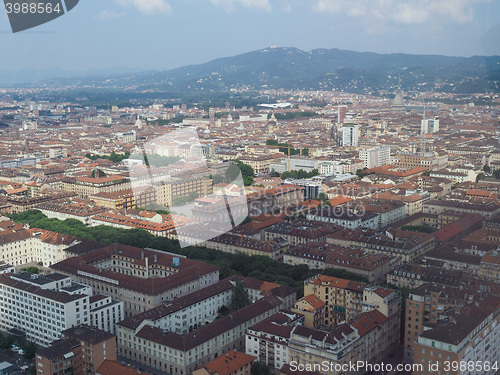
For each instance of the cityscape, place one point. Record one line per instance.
(283, 211)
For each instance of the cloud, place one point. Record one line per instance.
(402, 11)
(148, 6)
(230, 5)
(286, 6)
(107, 15)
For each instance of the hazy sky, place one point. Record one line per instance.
(163, 34)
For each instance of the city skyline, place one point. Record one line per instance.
(162, 35)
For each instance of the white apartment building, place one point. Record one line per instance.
(376, 156)
(105, 312)
(30, 245)
(42, 306)
(350, 135)
(429, 125)
(268, 340)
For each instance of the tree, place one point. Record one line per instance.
(487, 169)
(480, 176)
(322, 197)
(259, 369)
(217, 179)
(232, 173)
(239, 298)
(30, 349)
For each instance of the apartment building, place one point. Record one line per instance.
(429, 160)
(424, 306)
(141, 278)
(388, 212)
(345, 217)
(268, 339)
(375, 156)
(126, 199)
(182, 354)
(413, 203)
(105, 312)
(406, 245)
(322, 255)
(470, 334)
(230, 243)
(42, 306)
(345, 300)
(173, 187)
(488, 208)
(181, 335)
(88, 186)
(300, 231)
(35, 245)
(81, 351)
(80, 210)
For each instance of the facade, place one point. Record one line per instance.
(470, 334)
(429, 160)
(229, 243)
(345, 217)
(345, 300)
(406, 245)
(182, 354)
(141, 278)
(81, 351)
(268, 340)
(42, 306)
(88, 186)
(375, 156)
(429, 125)
(350, 135)
(105, 312)
(322, 255)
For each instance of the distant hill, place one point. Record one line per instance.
(291, 68)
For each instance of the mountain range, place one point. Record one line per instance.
(292, 68)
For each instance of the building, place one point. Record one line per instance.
(231, 243)
(350, 135)
(141, 278)
(105, 312)
(375, 156)
(81, 351)
(312, 187)
(470, 334)
(430, 160)
(345, 300)
(322, 255)
(42, 306)
(345, 217)
(89, 186)
(424, 306)
(429, 125)
(268, 339)
(230, 363)
(406, 245)
(178, 354)
(126, 199)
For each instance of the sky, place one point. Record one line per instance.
(165, 34)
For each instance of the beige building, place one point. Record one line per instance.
(88, 186)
